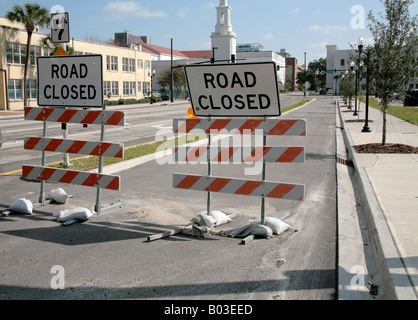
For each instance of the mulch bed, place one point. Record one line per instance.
(388, 148)
(357, 120)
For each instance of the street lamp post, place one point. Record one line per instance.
(366, 127)
(151, 75)
(360, 42)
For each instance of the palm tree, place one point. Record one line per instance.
(31, 15)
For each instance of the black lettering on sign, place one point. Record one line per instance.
(75, 71)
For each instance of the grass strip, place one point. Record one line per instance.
(409, 114)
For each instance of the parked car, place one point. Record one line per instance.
(411, 99)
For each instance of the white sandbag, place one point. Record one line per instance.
(202, 219)
(22, 205)
(78, 213)
(221, 217)
(277, 225)
(58, 195)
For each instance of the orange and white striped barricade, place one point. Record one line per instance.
(234, 154)
(95, 148)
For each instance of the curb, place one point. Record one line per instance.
(395, 281)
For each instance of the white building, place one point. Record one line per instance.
(224, 40)
(338, 61)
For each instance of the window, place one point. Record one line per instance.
(139, 86)
(48, 52)
(16, 53)
(111, 63)
(15, 89)
(140, 64)
(9, 52)
(126, 88)
(132, 88)
(147, 65)
(115, 88)
(106, 88)
(125, 64)
(342, 62)
(131, 65)
(145, 88)
(31, 89)
(35, 52)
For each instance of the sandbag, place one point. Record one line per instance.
(254, 229)
(81, 213)
(216, 218)
(22, 205)
(204, 220)
(221, 217)
(276, 225)
(58, 195)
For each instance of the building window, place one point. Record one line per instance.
(140, 64)
(31, 89)
(147, 65)
(132, 88)
(125, 64)
(115, 88)
(145, 88)
(15, 89)
(16, 53)
(342, 62)
(106, 88)
(48, 52)
(131, 65)
(111, 63)
(35, 52)
(139, 86)
(126, 88)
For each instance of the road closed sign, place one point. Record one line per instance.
(70, 81)
(234, 90)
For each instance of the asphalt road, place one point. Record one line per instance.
(108, 258)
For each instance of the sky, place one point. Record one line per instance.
(297, 26)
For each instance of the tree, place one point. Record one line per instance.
(178, 75)
(392, 58)
(315, 75)
(31, 15)
(348, 86)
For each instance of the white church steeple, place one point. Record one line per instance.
(223, 39)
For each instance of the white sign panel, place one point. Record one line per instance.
(70, 81)
(60, 28)
(234, 90)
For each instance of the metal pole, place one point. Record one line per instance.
(42, 195)
(366, 127)
(263, 199)
(209, 203)
(172, 73)
(99, 191)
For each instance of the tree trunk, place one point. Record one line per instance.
(25, 76)
(384, 106)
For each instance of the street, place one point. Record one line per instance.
(107, 257)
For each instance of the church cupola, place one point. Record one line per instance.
(223, 39)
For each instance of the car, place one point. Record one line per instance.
(411, 99)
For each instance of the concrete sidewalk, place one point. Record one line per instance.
(388, 185)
